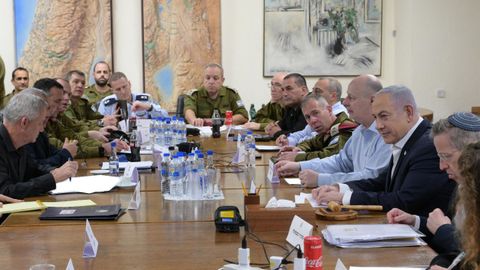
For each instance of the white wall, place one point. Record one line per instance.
(435, 47)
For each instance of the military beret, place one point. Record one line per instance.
(465, 120)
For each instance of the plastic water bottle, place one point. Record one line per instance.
(190, 163)
(194, 188)
(168, 133)
(211, 178)
(176, 186)
(249, 150)
(165, 173)
(160, 131)
(182, 130)
(113, 164)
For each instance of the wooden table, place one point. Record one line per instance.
(171, 235)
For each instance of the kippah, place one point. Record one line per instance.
(465, 120)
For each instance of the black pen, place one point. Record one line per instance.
(70, 178)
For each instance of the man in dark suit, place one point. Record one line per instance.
(413, 181)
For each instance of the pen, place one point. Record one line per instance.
(244, 190)
(70, 178)
(258, 190)
(457, 260)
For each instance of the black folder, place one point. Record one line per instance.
(96, 212)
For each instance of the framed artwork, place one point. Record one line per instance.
(179, 39)
(54, 37)
(323, 37)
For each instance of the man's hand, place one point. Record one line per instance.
(68, 169)
(252, 125)
(110, 120)
(327, 193)
(287, 168)
(290, 149)
(6, 199)
(308, 178)
(436, 218)
(289, 156)
(282, 140)
(97, 135)
(198, 122)
(121, 145)
(272, 128)
(141, 106)
(107, 129)
(71, 146)
(397, 216)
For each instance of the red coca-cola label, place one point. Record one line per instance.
(228, 118)
(312, 246)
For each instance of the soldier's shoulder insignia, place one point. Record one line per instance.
(142, 97)
(347, 125)
(109, 101)
(85, 98)
(191, 92)
(334, 130)
(231, 89)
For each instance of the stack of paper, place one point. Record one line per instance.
(139, 165)
(372, 235)
(87, 184)
(38, 205)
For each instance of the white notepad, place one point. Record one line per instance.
(87, 184)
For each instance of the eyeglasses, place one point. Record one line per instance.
(447, 157)
(276, 85)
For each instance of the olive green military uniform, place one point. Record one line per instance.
(271, 112)
(4, 100)
(2, 78)
(325, 145)
(203, 106)
(81, 128)
(94, 97)
(57, 132)
(81, 111)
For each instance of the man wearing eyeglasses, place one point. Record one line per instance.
(274, 110)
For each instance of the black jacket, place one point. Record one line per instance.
(45, 153)
(293, 120)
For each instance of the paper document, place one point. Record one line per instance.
(74, 203)
(267, 147)
(139, 165)
(293, 181)
(21, 207)
(87, 184)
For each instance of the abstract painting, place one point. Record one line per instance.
(180, 37)
(54, 37)
(323, 37)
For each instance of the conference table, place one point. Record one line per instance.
(164, 234)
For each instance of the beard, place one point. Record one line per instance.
(101, 82)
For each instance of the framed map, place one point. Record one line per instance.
(179, 38)
(54, 37)
(323, 37)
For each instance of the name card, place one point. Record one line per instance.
(272, 174)
(91, 243)
(70, 265)
(298, 230)
(131, 172)
(136, 199)
(340, 265)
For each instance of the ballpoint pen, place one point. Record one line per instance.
(70, 178)
(457, 260)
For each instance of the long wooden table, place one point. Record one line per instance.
(165, 234)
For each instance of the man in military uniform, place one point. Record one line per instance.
(294, 90)
(20, 79)
(141, 104)
(199, 105)
(274, 110)
(332, 131)
(80, 108)
(100, 89)
(2, 78)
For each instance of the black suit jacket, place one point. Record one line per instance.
(293, 120)
(417, 186)
(20, 176)
(45, 153)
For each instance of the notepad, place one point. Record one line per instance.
(293, 181)
(139, 165)
(267, 147)
(87, 184)
(38, 205)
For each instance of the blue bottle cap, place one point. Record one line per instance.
(209, 152)
(200, 155)
(249, 132)
(166, 154)
(113, 144)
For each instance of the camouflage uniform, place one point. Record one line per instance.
(87, 148)
(94, 97)
(325, 145)
(4, 100)
(81, 111)
(203, 106)
(271, 112)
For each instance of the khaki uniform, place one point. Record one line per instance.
(4, 100)
(271, 112)
(203, 106)
(95, 97)
(325, 145)
(57, 132)
(81, 111)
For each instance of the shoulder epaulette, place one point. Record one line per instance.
(85, 98)
(231, 89)
(347, 125)
(191, 91)
(334, 130)
(110, 101)
(142, 97)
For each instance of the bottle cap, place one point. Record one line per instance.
(209, 152)
(200, 155)
(113, 144)
(175, 174)
(166, 154)
(249, 132)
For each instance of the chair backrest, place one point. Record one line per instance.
(180, 105)
(476, 110)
